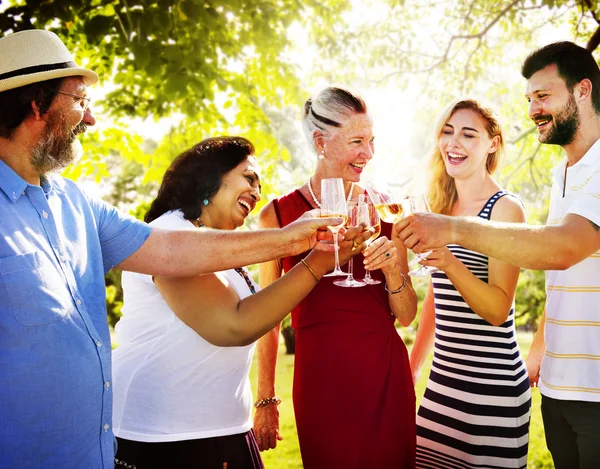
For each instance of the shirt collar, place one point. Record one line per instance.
(11, 183)
(590, 157)
(14, 185)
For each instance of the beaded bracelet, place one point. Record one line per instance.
(269, 400)
(398, 290)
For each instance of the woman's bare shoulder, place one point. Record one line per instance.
(510, 209)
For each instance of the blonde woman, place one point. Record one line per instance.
(476, 408)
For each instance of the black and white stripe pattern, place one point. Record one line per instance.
(476, 408)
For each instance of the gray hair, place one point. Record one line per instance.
(329, 109)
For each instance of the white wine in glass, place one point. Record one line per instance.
(389, 212)
(388, 199)
(333, 204)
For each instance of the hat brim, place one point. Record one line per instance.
(89, 77)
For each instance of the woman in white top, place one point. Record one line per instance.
(182, 396)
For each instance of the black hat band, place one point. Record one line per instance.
(38, 69)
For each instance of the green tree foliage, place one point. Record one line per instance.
(221, 66)
(177, 55)
(218, 65)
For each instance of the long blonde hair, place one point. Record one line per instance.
(442, 188)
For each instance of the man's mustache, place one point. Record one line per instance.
(80, 128)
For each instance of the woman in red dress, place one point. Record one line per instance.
(353, 394)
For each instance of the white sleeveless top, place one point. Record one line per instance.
(169, 383)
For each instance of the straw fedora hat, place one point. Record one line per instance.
(37, 55)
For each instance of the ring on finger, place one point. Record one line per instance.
(387, 254)
(354, 244)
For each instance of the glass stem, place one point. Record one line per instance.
(367, 272)
(350, 269)
(336, 248)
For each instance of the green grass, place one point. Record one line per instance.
(287, 453)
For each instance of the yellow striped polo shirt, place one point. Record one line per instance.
(571, 365)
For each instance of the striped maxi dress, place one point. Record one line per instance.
(476, 408)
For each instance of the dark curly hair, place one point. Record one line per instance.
(196, 174)
(15, 104)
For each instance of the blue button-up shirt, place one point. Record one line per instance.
(56, 244)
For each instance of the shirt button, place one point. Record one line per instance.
(98, 343)
(106, 427)
(107, 384)
(78, 302)
(45, 214)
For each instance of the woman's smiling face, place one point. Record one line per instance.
(236, 198)
(465, 144)
(350, 148)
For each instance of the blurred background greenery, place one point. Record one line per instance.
(176, 71)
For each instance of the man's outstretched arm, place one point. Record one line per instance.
(196, 251)
(555, 247)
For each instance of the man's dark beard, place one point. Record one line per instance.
(564, 125)
(55, 149)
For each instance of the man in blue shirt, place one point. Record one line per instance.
(56, 244)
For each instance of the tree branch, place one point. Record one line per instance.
(531, 166)
(530, 159)
(485, 30)
(125, 35)
(521, 136)
(444, 58)
(464, 80)
(594, 41)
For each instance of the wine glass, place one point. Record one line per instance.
(353, 212)
(419, 203)
(387, 199)
(333, 204)
(367, 214)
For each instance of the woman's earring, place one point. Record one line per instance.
(205, 202)
(322, 155)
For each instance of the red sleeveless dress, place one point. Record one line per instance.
(354, 399)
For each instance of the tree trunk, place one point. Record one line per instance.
(289, 337)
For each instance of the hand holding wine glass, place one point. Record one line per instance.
(416, 204)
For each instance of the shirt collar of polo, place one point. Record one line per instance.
(589, 159)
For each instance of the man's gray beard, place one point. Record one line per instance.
(54, 153)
